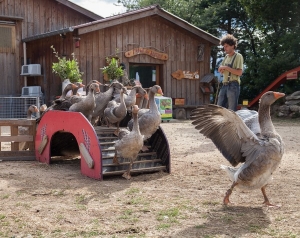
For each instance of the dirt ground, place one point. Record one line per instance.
(39, 200)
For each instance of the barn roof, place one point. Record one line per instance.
(127, 17)
(79, 9)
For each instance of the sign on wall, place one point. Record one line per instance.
(184, 74)
(146, 51)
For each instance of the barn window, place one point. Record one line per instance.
(148, 74)
(7, 39)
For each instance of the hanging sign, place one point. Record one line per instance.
(184, 74)
(145, 51)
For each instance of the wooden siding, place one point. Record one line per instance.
(31, 17)
(149, 32)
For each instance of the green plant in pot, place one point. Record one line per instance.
(66, 68)
(112, 70)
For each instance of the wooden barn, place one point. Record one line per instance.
(151, 42)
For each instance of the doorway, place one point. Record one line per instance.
(147, 74)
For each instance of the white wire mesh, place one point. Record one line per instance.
(17, 107)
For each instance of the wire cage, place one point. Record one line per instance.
(17, 107)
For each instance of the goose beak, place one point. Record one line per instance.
(160, 92)
(278, 95)
(146, 96)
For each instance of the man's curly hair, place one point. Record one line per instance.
(229, 40)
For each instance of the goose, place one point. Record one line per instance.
(130, 99)
(89, 83)
(60, 103)
(43, 108)
(79, 85)
(116, 112)
(129, 143)
(24, 130)
(149, 119)
(260, 156)
(102, 100)
(87, 105)
(69, 87)
(250, 117)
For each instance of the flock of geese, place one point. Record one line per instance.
(110, 108)
(245, 137)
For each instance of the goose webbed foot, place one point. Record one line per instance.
(127, 175)
(144, 148)
(266, 201)
(268, 204)
(115, 160)
(228, 193)
(226, 198)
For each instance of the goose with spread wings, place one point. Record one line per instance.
(259, 156)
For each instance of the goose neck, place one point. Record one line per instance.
(264, 119)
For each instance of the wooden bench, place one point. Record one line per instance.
(181, 112)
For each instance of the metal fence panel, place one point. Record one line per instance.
(17, 107)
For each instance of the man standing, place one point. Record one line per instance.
(231, 68)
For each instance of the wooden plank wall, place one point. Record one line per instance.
(39, 16)
(151, 32)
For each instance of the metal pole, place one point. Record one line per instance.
(25, 62)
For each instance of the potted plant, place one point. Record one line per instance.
(66, 69)
(112, 70)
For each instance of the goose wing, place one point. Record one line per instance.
(228, 132)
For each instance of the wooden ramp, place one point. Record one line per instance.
(62, 133)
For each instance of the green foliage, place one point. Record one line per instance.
(66, 68)
(113, 71)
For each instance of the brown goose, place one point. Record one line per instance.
(149, 119)
(102, 100)
(89, 83)
(116, 112)
(129, 144)
(23, 130)
(87, 105)
(260, 156)
(69, 87)
(130, 99)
